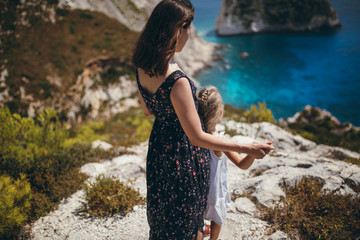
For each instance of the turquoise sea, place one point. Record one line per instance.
(288, 70)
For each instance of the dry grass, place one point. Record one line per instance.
(308, 213)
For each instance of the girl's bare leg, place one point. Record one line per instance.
(215, 231)
(200, 235)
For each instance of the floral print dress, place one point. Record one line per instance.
(177, 173)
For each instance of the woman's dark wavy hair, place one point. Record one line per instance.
(158, 40)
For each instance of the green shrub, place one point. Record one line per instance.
(313, 214)
(129, 128)
(14, 205)
(233, 113)
(24, 139)
(36, 147)
(107, 197)
(86, 15)
(244, 3)
(259, 114)
(110, 76)
(124, 129)
(87, 133)
(57, 176)
(296, 12)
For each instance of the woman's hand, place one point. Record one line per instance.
(267, 151)
(259, 150)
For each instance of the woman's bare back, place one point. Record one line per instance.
(152, 84)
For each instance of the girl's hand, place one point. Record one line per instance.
(259, 150)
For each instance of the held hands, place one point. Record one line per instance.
(259, 150)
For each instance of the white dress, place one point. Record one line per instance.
(219, 197)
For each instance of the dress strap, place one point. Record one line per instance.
(168, 83)
(144, 93)
(174, 76)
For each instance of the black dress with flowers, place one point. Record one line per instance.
(177, 173)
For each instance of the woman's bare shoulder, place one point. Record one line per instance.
(173, 67)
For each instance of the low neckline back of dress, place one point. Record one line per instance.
(148, 94)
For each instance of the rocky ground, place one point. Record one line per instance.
(293, 159)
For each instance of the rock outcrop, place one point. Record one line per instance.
(97, 99)
(315, 114)
(252, 16)
(293, 159)
(133, 13)
(320, 125)
(64, 80)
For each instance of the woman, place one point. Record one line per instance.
(178, 163)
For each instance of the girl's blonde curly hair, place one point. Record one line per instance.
(211, 107)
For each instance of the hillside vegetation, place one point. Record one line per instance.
(296, 12)
(44, 51)
(40, 161)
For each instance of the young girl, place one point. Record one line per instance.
(211, 109)
(178, 160)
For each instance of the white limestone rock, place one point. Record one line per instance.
(286, 165)
(245, 205)
(278, 235)
(102, 145)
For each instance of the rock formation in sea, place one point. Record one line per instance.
(252, 16)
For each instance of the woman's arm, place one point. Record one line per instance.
(241, 162)
(143, 105)
(182, 100)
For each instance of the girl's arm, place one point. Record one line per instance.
(182, 100)
(241, 162)
(143, 105)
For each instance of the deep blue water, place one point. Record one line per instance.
(289, 70)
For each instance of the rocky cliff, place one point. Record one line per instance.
(293, 159)
(75, 61)
(252, 16)
(132, 13)
(74, 56)
(196, 55)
